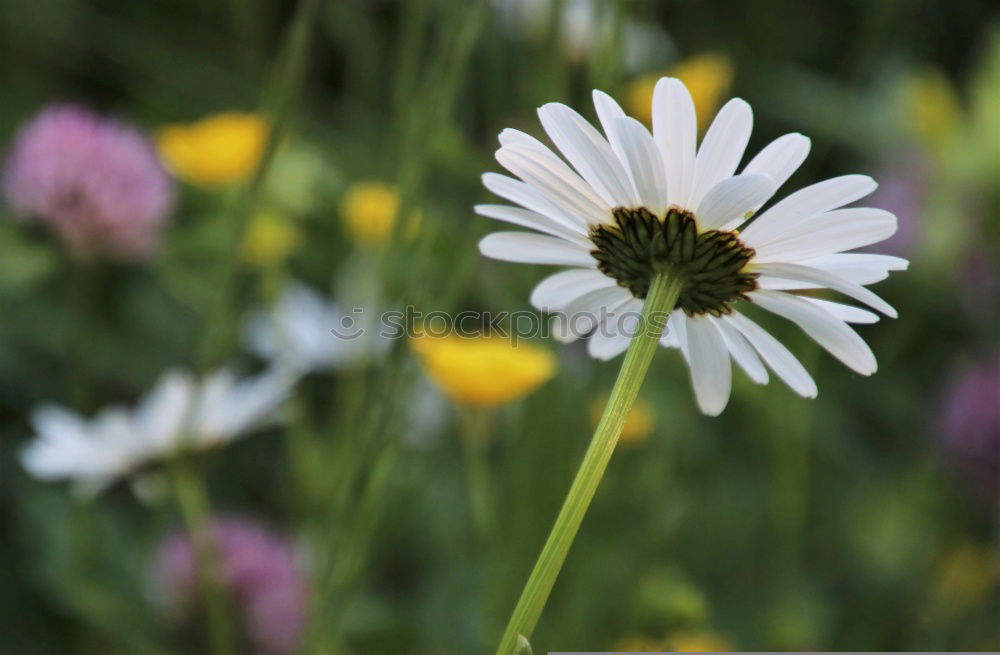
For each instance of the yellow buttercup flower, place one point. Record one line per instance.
(638, 425)
(931, 107)
(369, 212)
(216, 150)
(483, 371)
(270, 239)
(698, 642)
(967, 575)
(707, 76)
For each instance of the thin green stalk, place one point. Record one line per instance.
(412, 35)
(341, 575)
(247, 21)
(786, 438)
(475, 447)
(192, 498)
(278, 104)
(84, 287)
(662, 297)
(302, 457)
(604, 71)
(554, 79)
(422, 115)
(301, 442)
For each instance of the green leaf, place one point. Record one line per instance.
(24, 262)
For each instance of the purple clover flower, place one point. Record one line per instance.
(95, 181)
(260, 572)
(902, 190)
(970, 422)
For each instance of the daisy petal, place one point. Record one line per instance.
(780, 158)
(512, 137)
(732, 198)
(846, 313)
(580, 316)
(608, 111)
(588, 152)
(528, 197)
(831, 232)
(804, 203)
(241, 405)
(826, 329)
(161, 415)
(607, 346)
(61, 447)
(711, 372)
(859, 268)
(532, 220)
(558, 290)
(52, 420)
(614, 335)
(722, 148)
(823, 279)
(630, 148)
(741, 351)
(675, 131)
(527, 248)
(637, 150)
(675, 334)
(782, 362)
(560, 185)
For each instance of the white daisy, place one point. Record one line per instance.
(179, 413)
(584, 27)
(306, 331)
(634, 203)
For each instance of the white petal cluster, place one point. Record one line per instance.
(306, 331)
(181, 412)
(584, 27)
(801, 241)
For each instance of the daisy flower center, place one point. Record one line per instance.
(640, 245)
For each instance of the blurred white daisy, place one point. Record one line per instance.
(636, 203)
(584, 27)
(308, 332)
(180, 413)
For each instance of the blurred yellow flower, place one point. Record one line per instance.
(216, 150)
(684, 642)
(640, 645)
(707, 76)
(698, 642)
(270, 239)
(483, 371)
(967, 576)
(667, 596)
(638, 425)
(369, 212)
(931, 107)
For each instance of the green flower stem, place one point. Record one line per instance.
(412, 36)
(85, 285)
(605, 67)
(303, 458)
(475, 445)
(422, 116)
(192, 498)
(660, 300)
(278, 107)
(342, 574)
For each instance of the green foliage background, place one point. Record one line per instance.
(782, 524)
